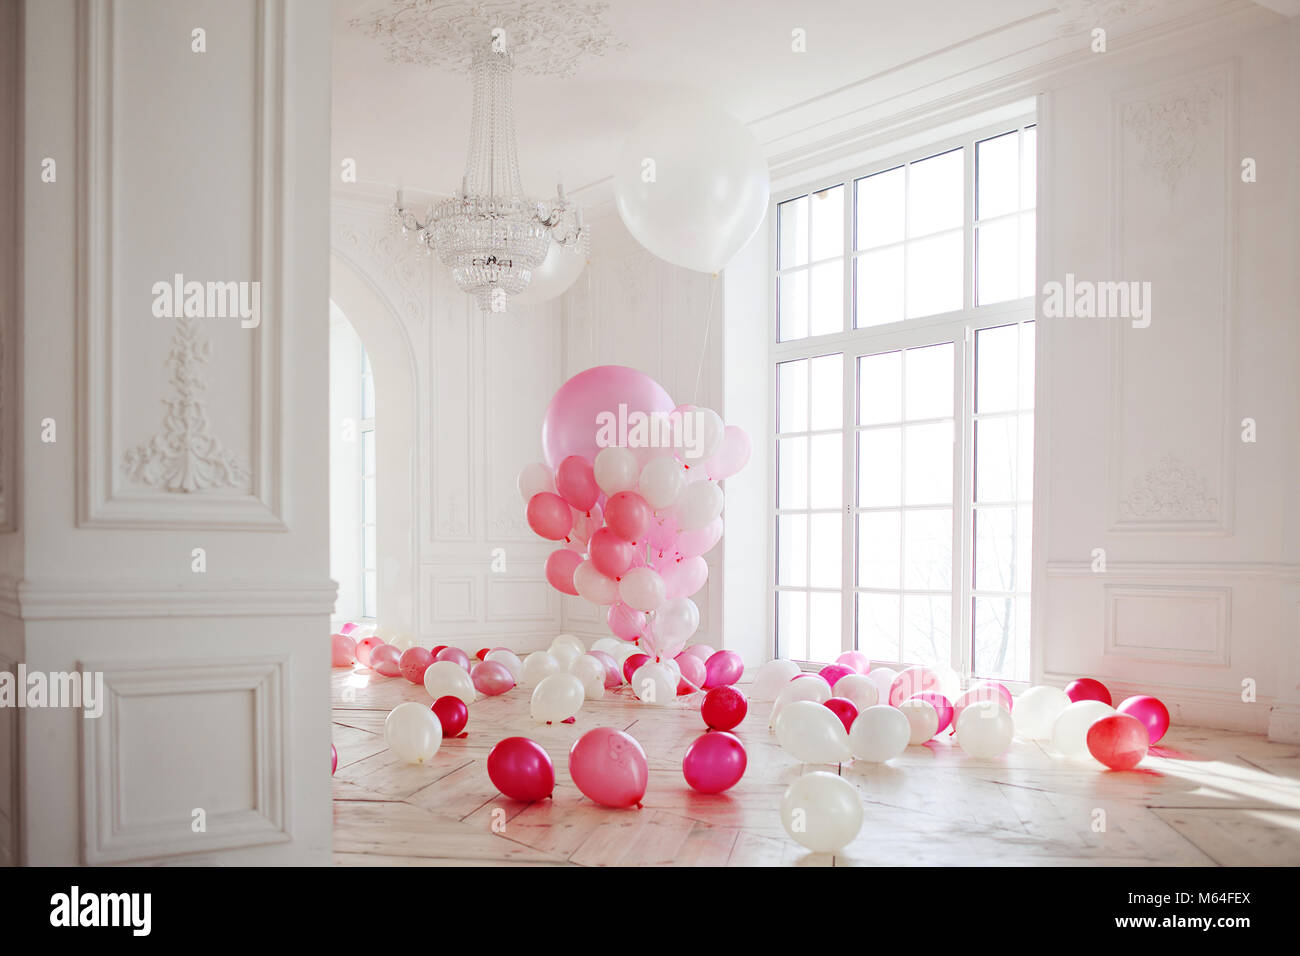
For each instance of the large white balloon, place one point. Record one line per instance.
(811, 732)
(559, 270)
(641, 588)
(588, 670)
(509, 660)
(571, 640)
(859, 689)
(771, 678)
(661, 482)
(822, 811)
(883, 678)
(413, 732)
(565, 655)
(593, 586)
(676, 621)
(534, 479)
(806, 687)
(1070, 729)
(699, 504)
(538, 666)
(655, 683)
(448, 679)
(698, 435)
(880, 733)
(692, 186)
(616, 469)
(984, 729)
(922, 717)
(1036, 711)
(558, 697)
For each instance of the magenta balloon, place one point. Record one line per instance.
(611, 555)
(414, 662)
(386, 660)
(343, 650)
(347, 628)
(833, 672)
(732, 456)
(576, 482)
(692, 544)
(724, 667)
(334, 759)
(453, 654)
(693, 673)
(632, 663)
(491, 678)
(941, 704)
(549, 515)
(613, 675)
(628, 516)
(1153, 714)
(714, 762)
(845, 710)
(560, 565)
(856, 659)
(1087, 688)
(683, 578)
(521, 769)
(609, 767)
(574, 416)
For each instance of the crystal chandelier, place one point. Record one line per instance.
(490, 234)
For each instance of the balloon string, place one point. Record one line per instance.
(708, 322)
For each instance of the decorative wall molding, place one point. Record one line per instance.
(90, 600)
(1086, 14)
(1175, 624)
(104, 499)
(402, 265)
(1170, 491)
(1168, 127)
(548, 37)
(112, 828)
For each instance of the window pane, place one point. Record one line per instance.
(927, 550)
(878, 619)
(827, 298)
(1025, 473)
(995, 549)
(879, 548)
(792, 396)
(368, 452)
(792, 550)
(997, 261)
(879, 278)
(996, 355)
(827, 223)
(1028, 254)
(880, 388)
(996, 459)
(879, 468)
(792, 624)
(368, 500)
(1001, 626)
(1029, 168)
(880, 208)
(935, 275)
(827, 473)
(827, 392)
(792, 473)
(927, 629)
(369, 549)
(929, 382)
(936, 193)
(929, 464)
(1027, 335)
(370, 606)
(792, 307)
(997, 176)
(824, 626)
(825, 551)
(793, 216)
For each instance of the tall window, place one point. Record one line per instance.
(904, 372)
(369, 538)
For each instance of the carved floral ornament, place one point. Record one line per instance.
(1171, 491)
(1168, 127)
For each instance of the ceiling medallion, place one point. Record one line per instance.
(548, 37)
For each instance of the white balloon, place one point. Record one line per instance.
(1036, 711)
(661, 482)
(654, 683)
(698, 435)
(552, 278)
(558, 697)
(413, 732)
(534, 479)
(880, 733)
(448, 679)
(1070, 729)
(676, 621)
(984, 729)
(923, 719)
(807, 687)
(822, 811)
(883, 678)
(641, 588)
(593, 586)
(403, 642)
(812, 733)
(771, 678)
(509, 660)
(537, 666)
(616, 469)
(859, 689)
(610, 645)
(565, 655)
(571, 640)
(587, 669)
(709, 191)
(699, 504)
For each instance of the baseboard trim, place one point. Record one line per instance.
(1284, 723)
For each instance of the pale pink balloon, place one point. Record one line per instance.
(453, 654)
(627, 623)
(549, 516)
(611, 555)
(587, 523)
(1001, 689)
(702, 651)
(694, 673)
(366, 647)
(609, 767)
(683, 578)
(560, 565)
(910, 682)
(856, 659)
(347, 628)
(628, 515)
(491, 678)
(576, 482)
(732, 456)
(724, 667)
(692, 544)
(613, 674)
(572, 424)
(386, 660)
(663, 533)
(975, 694)
(343, 650)
(414, 662)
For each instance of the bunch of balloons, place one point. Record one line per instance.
(1081, 720)
(631, 491)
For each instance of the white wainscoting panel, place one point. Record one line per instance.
(1178, 624)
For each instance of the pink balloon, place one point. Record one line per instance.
(521, 769)
(941, 704)
(860, 662)
(573, 420)
(491, 678)
(414, 662)
(974, 694)
(723, 708)
(1085, 688)
(845, 710)
(663, 534)
(386, 660)
(683, 578)
(693, 673)
(453, 654)
(627, 623)
(334, 759)
(549, 515)
(1000, 689)
(1120, 741)
(613, 676)
(366, 647)
(1153, 714)
(560, 565)
(702, 651)
(347, 628)
(724, 667)
(611, 555)
(587, 523)
(343, 650)
(833, 672)
(910, 682)
(628, 516)
(452, 713)
(732, 456)
(632, 663)
(609, 767)
(714, 762)
(692, 544)
(576, 482)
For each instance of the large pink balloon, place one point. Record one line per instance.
(343, 650)
(1120, 741)
(611, 555)
(609, 767)
(386, 660)
(549, 515)
(628, 515)
(453, 654)
(856, 659)
(366, 647)
(491, 678)
(833, 672)
(1153, 714)
(663, 534)
(1088, 688)
(724, 667)
(692, 544)
(683, 578)
(574, 416)
(732, 456)
(627, 623)
(521, 769)
(576, 482)
(912, 681)
(693, 673)
(714, 762)
(414, 662)
(560, 565)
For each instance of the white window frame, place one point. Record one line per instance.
(366, 426)
(958, 327)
